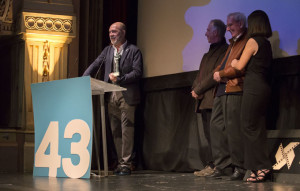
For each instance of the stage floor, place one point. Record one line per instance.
(138, 181)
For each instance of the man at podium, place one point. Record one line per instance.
(123, 66)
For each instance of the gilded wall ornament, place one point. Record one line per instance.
(49, 24)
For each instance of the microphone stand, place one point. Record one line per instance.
(102, 62)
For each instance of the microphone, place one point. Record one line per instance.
(102, 61)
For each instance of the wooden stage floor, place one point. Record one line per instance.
(138, 181)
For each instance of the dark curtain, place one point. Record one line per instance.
(171, 140)
(5, 78)
(91, 32)
(284, 110)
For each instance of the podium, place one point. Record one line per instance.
(99, 87)
(64, 124)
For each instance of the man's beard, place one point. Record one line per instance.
(115, 41)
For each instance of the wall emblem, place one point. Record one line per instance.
(285, 155)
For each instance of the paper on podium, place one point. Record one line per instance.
(100, 87)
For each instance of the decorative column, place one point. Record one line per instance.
(46, 39)
(35, 37)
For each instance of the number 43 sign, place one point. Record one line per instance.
(63, 128)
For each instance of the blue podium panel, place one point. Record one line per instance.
(63, 128)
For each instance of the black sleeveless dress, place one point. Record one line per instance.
(256, 96)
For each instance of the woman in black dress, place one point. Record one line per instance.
(256, 61)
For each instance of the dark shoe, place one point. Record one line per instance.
(238, 174)
(125, 170)
(117, 170)
(216, 174)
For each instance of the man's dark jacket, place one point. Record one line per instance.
(204, 84)
(131, 70)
